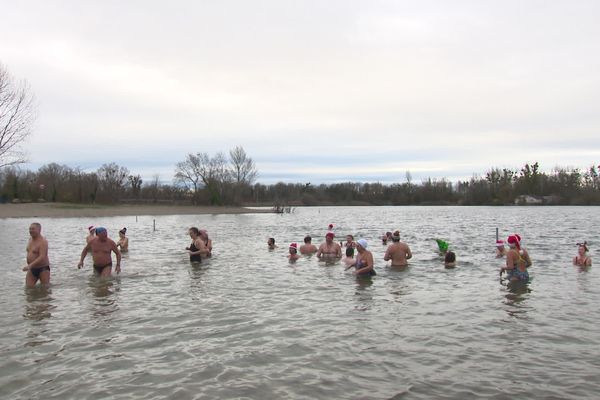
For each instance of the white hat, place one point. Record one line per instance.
(363, 243)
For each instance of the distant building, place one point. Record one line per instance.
(527, 200)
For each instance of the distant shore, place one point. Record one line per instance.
(66, 210)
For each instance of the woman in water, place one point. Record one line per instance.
(364, 260)
(123, 243)
(582, 259)
(197, 248)
(517, 260)
(293, 249)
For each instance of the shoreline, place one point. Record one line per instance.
(66, 210)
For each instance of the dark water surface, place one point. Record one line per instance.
(247, 324)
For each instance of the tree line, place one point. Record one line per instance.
(220, 179)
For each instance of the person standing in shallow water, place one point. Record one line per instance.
(102, 248)
(271, 244)
(123, 243)
(38, 263)
(329, 250)
(398, 252)
(581, 259)
(364, 260)
(293, 250)
(197, 249)
(308, 247)
(91, 234)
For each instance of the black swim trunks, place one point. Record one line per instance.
(36, 272)
(99, 268)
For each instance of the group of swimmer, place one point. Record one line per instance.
(517, 256)
(102, 247)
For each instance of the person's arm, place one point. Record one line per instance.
(408, 253)
(320, 251)
(387, 256)
(118, 254)
(588, 262)
(83, 254)
(575, 260)
(338, 251)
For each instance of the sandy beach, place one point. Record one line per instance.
(66, 210)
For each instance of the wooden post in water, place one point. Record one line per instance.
(497, 237)
(136, 218)
(153, 225)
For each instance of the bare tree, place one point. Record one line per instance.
(200, 170)
(112, 178)
(243, 167)
(17, 113)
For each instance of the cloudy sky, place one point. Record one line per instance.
(315, 91)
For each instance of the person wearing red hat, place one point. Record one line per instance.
(293, 249)
(329, 250)
(517, 260)
(91, 234)
(500, 249)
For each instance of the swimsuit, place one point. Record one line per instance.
(516, 273)
(581, 263)
(194, 257)
(99, 268)
(359, 264)
(36, 272)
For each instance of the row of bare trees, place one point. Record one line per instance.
(199, 179)
(221, 180)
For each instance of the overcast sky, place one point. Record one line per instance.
(315, 91)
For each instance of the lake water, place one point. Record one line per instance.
(247, 324)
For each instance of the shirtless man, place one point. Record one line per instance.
(398, 252)
(308, 247)
(329, 249)
(101, 248)
(38, 264)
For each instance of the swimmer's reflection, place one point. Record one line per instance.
(363, 295)
(39, 303)
(105, 293)
(517, 293)
(197, 276)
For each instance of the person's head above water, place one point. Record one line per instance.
(582, 248)
(362, 243)
(101, 233)
(329, 237)
(123, 231)
(271, 242)
(92, 229)
(307, 239)
(293, 248)
(396, 236)
(349, 251)
(499, 243)
(450, 257)
(193, 231)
